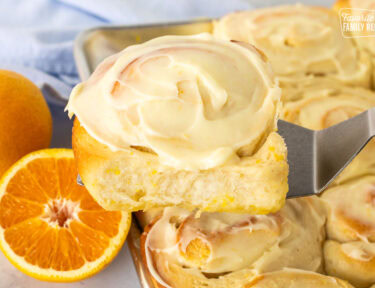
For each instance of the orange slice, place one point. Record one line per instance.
(50, 227)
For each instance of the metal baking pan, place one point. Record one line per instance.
(93, 45)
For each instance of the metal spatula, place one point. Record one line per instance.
(316, 158)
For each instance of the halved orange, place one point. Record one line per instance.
(50, 227)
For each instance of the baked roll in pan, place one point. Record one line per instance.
(181, 249)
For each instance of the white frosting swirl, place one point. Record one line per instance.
(193, 100)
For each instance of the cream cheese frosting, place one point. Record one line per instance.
(195, 101)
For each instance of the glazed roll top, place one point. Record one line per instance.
(216, 248)
(300, 42)
(350, 251)
(320, 104)
(195, 101)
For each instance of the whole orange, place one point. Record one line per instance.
(25, 119)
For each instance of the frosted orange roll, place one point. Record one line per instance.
(321, 104)
(364, 43)
(301, 42)
(350, 251)
(228, 250)
(181, 121)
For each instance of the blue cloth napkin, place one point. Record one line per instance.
(39, 34)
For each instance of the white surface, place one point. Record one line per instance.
(119, 274)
